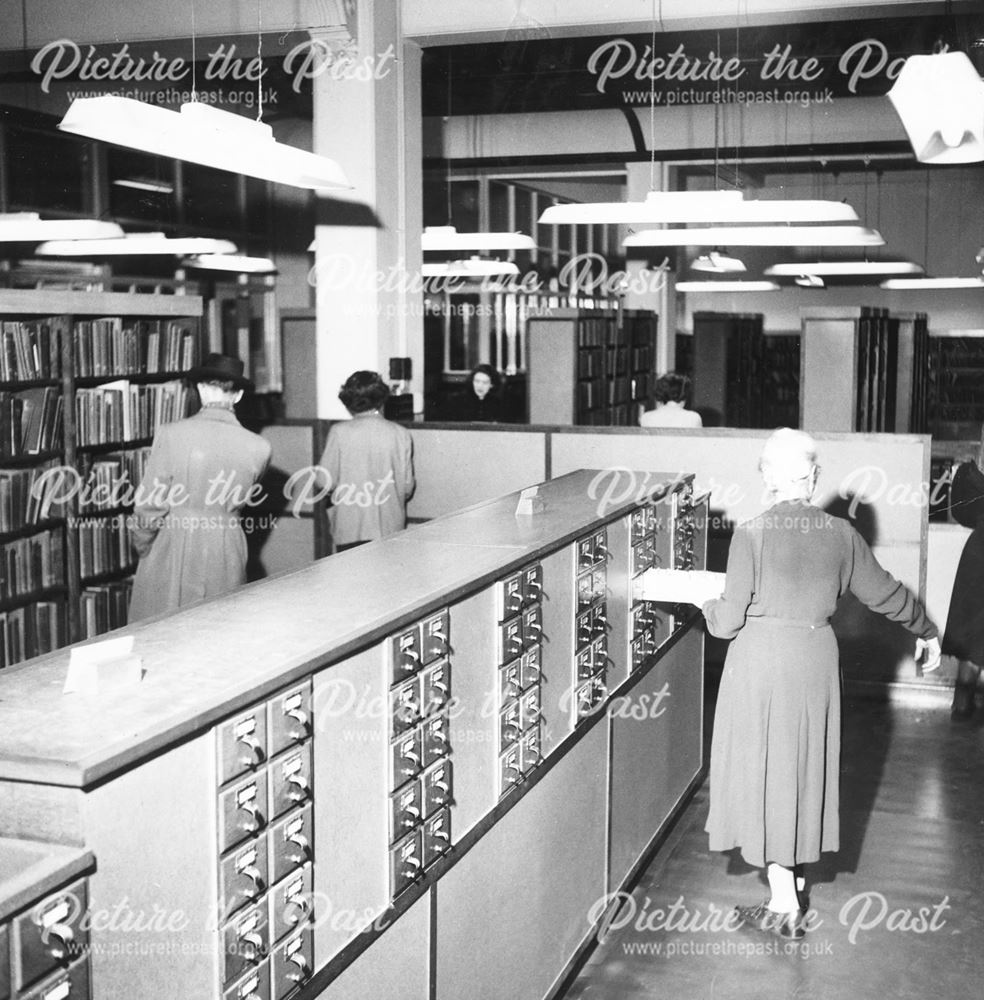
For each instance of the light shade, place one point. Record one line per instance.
(758, 236)
(726, 286)
(29, 227)
(844, 267)
(448, 238)
(201, 134)
(231, 262)
(145, 184)
(919, 284)
(474, 267)
(135, 245)
(940, 100)
(697, 206)
(717, 263)
(809, 281)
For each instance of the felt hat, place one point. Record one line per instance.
(221, 368)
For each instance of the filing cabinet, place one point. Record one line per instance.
(44, 947)
(651, 537)
(420, 746)
(591, 624)
(265, 837)
(519, 628)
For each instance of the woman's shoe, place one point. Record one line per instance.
(963, 701)
(789, 925)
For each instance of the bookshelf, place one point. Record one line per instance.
(955, 361)
(85, 380)
(591, 366)
(729, 368)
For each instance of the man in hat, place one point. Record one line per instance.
(201, 472)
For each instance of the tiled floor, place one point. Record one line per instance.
(898, 913)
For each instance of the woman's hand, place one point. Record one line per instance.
(928, 654)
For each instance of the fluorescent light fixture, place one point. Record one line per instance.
(940, 100)
(717, 263)
(231, 262)
(134, 245)
(474, 267)
(914, 284)
(139, 184)
(697, 206)
(809, 281)
(758, 236)
(448, 238)
(29, 227)
(844, 267)
(727, 286)
(199, 133)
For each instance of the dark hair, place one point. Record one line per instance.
(485, 370)
(222, 384)
(672, 387)
(364, 391)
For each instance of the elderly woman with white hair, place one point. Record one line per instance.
(775, 753)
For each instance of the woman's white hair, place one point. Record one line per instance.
(788, 460)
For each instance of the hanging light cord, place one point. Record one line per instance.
(657, 14)
(259, 60)
(194, 56)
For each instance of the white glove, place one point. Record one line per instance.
(928, 654)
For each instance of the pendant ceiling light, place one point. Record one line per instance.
(135, 245)
(437, 238)
(716, 262)
(199, 133)
(29, 227)
(940, 100)
(678, 207)
(757, 236)
(473, 267)
(726, 286)
(919, 284)
(231, 262)
(847, 268)
(809, 281)
(145, 184)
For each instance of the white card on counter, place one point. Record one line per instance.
(111, 662)
(681, 586)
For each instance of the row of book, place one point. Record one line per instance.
(30, 421)
(104, 607)
(597, 331)
(104, 546)
(31, 631)
(121, 411)
(31, 349)
(28, 496)
(107, 347)
(30, 564)
(110, 481)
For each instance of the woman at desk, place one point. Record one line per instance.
(672, 395)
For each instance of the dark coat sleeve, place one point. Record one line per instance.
(880, 591)
(967, 495)
(725, 615)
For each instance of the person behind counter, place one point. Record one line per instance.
(201, 472)
(480, 400)
(963, 636)
(775, 751)
(672, 393)
(369, 465)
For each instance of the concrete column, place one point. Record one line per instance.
(659, 294)
(367, 262)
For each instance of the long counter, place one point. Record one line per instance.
(333, 782)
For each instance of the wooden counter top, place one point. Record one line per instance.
(203, 663)
(29, 870)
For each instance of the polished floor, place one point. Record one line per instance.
(898, 913)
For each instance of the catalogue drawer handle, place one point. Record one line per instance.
(253, 745)
(255, 820)
(296, 909)
(303, 968)
(254, 952)
(58, 939)
(256, 877)
(305, 848)
(297, 788)
(303, 723)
